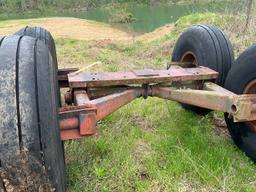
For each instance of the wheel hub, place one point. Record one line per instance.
(251, 89)
(189, 57)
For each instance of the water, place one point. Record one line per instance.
(147, 18)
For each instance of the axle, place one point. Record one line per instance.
(95, 96)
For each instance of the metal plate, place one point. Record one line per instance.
(145, 72)
(130, 78)
(88, 76)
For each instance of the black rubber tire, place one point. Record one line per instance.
(45, 36)
(212, 49)
(31, 152)
(42, 34)
(242, 72)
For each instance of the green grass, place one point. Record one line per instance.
(157, 147)
(151, 145)
(8, 23)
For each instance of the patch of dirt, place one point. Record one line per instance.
(187, 186)
(142, 151)
(220, 128)
(81, 29)
(147, 125)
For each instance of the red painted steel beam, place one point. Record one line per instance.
(108, 104)
(69, 129)
(213, 97)
(206, 99)
(77, 121)
(80, 121)
(81, 97)
(77, 127)
(69, 123)
(140, 77)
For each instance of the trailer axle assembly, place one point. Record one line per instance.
(202, 76)
(95, 96)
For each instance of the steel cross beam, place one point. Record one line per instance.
(145, 76)
(241, 107)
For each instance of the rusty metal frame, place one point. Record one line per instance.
(94, 96)
(214, 97)
(146, 76)
(81, 120)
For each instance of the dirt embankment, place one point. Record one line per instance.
(82, 29)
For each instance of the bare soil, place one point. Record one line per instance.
(81, 29)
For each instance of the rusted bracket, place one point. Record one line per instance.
(108, 104)
(76, 122)
(214, 97)
(79, 121)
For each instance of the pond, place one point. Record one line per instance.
(148, 18)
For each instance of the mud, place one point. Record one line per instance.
(24, 174)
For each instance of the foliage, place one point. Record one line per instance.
(31, 5)
(121, 15)
(18, 6)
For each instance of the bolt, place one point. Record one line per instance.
(68, 98)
